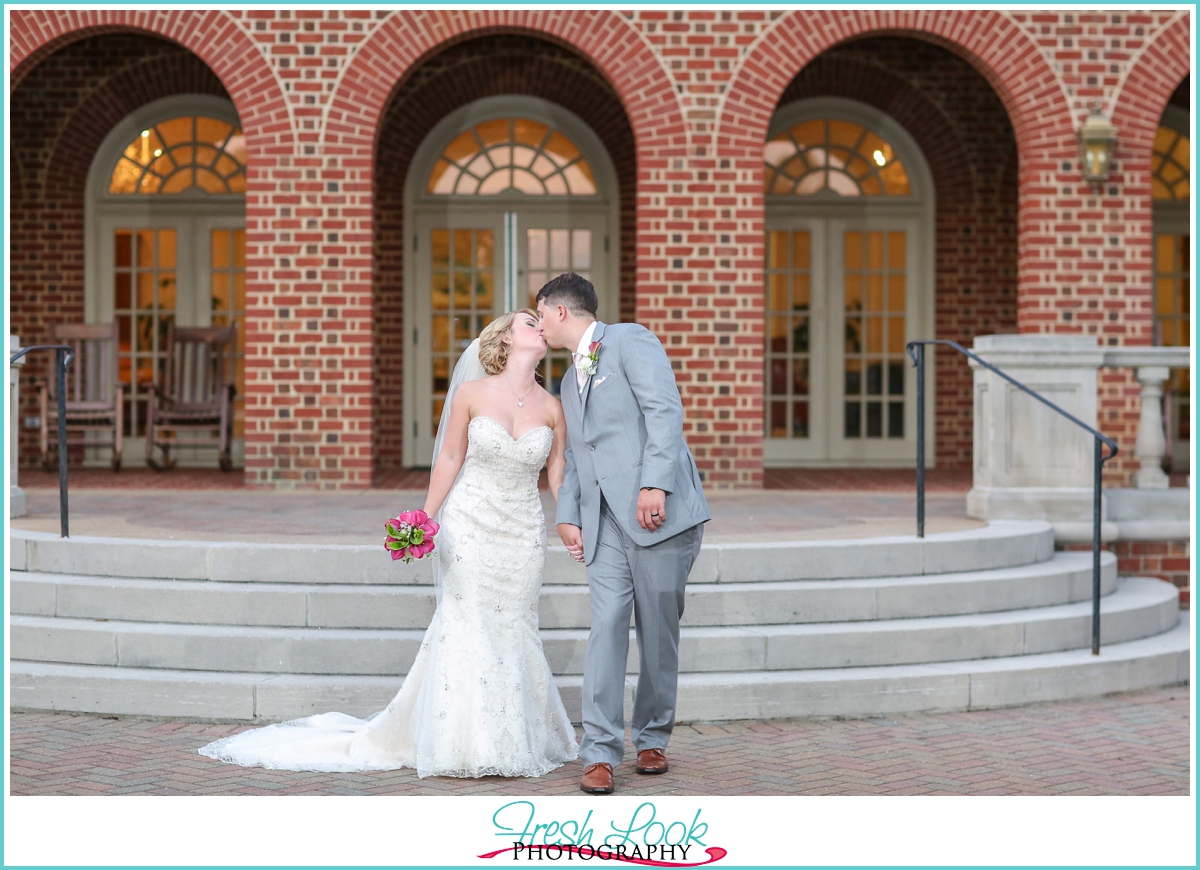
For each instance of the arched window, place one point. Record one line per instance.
(181, 154)
(831, 155)
(1170, 166)
(512, 154)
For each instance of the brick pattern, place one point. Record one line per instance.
(1128, 744)
(698, 88)
(1166, 560)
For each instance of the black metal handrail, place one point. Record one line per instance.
(916, 350)
(64, 353)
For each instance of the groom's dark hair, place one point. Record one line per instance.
(573, 291)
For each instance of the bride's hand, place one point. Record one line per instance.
(572, 536)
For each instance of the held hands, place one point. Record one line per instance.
(572, 536)
(652, 509)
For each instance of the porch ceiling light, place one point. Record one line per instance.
(1097, 137)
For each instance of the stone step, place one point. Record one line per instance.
(1138, 608)
(1160, 660)
(1065, 578)
(997, 545)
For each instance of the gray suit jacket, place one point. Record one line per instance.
(625, 432)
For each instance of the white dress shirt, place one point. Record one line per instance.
(581, 353)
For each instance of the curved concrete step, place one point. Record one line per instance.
(997, 545)
(1138, 608)
(1065, 578)
(1161, 660)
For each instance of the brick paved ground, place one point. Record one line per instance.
(1127, 744)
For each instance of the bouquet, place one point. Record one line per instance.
(410, 535)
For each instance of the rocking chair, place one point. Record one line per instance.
(94, 396)
(195, 396)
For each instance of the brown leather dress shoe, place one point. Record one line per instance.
(651, 761)
(597, 778)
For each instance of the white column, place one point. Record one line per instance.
(1151, 442)
(16, 495)
(1030, 462)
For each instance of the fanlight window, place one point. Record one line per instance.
(512, 154)
(826, 156)
(183, 154)
(1170, 165)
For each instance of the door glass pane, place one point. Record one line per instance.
(461, 295)
(787, 355)
(549, 253)
(874, 318)
(144, 308)
(1172, 321)
(227, 274)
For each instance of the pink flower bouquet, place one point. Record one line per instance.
(410, 535)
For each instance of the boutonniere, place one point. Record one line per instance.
(588, 366)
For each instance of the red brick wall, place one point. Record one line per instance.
(464, 72)
(1167, 560)
(61, 113)
(698, 88)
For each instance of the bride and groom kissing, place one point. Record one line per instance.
(479, 698)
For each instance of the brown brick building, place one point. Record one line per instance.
(784, 197)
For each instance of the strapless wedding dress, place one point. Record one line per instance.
(479, 698)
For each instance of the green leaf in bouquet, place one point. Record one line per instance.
(392, 530)
(395, 545)
(418, 536)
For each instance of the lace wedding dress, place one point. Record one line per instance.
(479, 699)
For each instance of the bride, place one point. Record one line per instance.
(479, 699)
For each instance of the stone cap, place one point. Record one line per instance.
(1039, 350)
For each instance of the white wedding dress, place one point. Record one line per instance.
(479, 699)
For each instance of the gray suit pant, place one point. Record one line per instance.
(649, 581)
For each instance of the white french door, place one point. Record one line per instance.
(843, 297)
(155, 270)
(473, 265)
(461, 263)
(550, 243)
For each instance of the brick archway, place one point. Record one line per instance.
(1002, 52)
(991, 41)
(1138, 108)
(384, 64)
(212, 35)
(406, 38)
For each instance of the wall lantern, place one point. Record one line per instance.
(1096, 140)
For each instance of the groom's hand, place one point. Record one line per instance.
(572, 536)
(652, 509)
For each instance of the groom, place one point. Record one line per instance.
(631, 507)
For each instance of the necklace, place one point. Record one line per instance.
(520, 399)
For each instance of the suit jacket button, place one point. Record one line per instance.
(595, 483)
(592, 447)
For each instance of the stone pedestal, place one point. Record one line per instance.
(1030, 462)
(16, 495)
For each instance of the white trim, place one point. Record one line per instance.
(915, 215)
(600, 212)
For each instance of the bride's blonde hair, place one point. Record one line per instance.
(493, 351)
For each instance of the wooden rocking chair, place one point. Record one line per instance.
(195, 396)
(94, 396)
